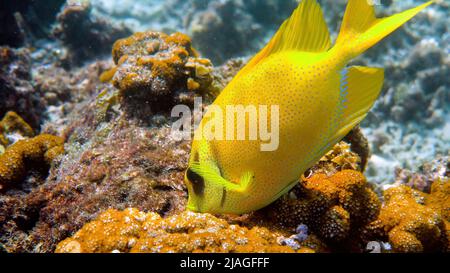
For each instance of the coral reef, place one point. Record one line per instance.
(135, 231)
(113, 161)
(335, 208)
(16, 161)
(85, 34)
(110, 162)
(413, 221)
(159, 70)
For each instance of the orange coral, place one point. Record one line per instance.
(439, 198)
(332, 207)
(24, 154)
(12, 123)
(134, 231)
(412, 220)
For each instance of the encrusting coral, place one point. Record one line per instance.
(334, 207)
(26, 154)
(134, 231)
(159, 70)
(13, 124)
(413, 221)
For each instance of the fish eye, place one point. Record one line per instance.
(197, 181)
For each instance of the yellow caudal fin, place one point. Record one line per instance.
(305, 30)
(360, 87)
(361, 29)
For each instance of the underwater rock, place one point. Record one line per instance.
(134, 231)
(85, 34)
(334, 208)
(63, 90)
(225, 73)
(16, 89)
(28, 154)
(413, 221)
(110, 162)
(158, 71)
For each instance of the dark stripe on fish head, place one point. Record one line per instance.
(198, 183)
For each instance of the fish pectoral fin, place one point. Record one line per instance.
(360, 87)
(245, 183)
(306, 30)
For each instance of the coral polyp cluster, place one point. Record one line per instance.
(134, 231)
(413, 221)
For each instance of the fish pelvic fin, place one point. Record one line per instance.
(361, 29)
(306, 30)
(360, 87)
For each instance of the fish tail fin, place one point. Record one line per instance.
(361, 29)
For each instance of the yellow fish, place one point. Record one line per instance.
(319, 100)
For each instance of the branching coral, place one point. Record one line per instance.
(414, 221)
(159, 69)
(26, 154)
(135, 231)
(332, 207)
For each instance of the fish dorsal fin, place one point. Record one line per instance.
(305, 30)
